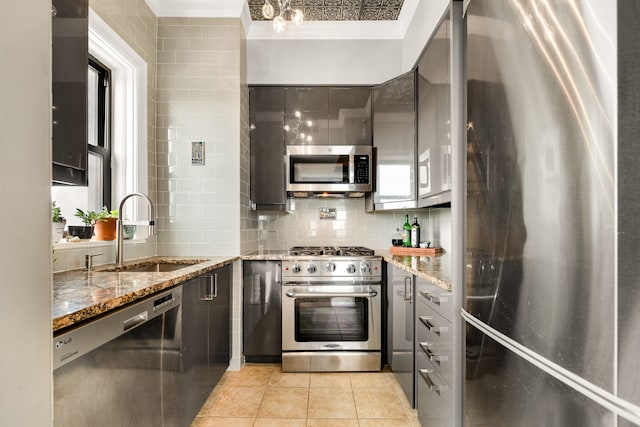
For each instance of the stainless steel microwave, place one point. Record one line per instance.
(328, 169)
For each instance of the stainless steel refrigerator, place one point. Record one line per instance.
(552, 296)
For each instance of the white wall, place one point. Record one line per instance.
(425, 20)
(323, 62)
(25, 254)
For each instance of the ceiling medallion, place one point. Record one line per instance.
(279, 22)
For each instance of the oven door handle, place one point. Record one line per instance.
(370, 294)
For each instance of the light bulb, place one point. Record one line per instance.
(267, 10)
(309, 138)
(279, 24)
(286, 128)
(309, 123)
(297, 17)
(297, 113)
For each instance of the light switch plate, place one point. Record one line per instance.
(197, 153)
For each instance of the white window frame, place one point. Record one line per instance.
(128, 109)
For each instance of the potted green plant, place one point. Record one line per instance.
(58, 222)
(85, 231)
(105, 224)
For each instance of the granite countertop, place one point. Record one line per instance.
(436, 268)
(79, 295)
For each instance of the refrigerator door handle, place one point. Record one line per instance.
(407, 289)
(437, 386)
(426, 321)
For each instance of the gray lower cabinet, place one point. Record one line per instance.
(206, 338)
(261, 311)
(400, 329)
(434, 354)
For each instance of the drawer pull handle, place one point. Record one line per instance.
(437, 386)
(426, 321)
(426, 348)
(434, 298)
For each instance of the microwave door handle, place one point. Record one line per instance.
(352, 165)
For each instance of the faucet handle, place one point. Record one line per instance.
(88, 261)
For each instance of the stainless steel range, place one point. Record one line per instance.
(331, 309)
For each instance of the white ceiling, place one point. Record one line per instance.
(329, 30)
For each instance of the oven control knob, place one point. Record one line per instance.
(296, 268)
(331, 267)
(311, 269)
(351, 268)
(365, 268)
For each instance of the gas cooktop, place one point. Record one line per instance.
(330, 250)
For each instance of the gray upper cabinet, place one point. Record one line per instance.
(306, 115)
(434, 119)
(69, 71)
(327, 115)
(394, 141)
(350, 116)
(266, 118)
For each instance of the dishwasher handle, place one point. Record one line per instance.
(134, 321)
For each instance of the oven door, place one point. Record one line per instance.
(331, 317)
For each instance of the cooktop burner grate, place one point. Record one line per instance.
(330, 250)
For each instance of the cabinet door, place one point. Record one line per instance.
(350, 116)
(219, 320)
(400, 329)
(394, 140)
(69, 73)
(306, 115)
(266, 116)
(434, 117)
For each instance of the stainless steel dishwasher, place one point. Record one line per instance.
(121, 369)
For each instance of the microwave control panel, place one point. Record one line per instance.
(361, 165)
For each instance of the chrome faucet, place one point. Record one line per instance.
(120, 225)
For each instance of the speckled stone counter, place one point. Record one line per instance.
(436, 269)
(271, 255)
(79, 295)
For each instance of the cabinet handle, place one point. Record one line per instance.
(407, 290)
(426, 349)
(437, 386)
(214, 291)
(278, 271)
(426, 321)
(207, 289)
(434, 298)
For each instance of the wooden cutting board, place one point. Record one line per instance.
(396, 250)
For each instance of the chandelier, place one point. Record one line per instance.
(279, 23)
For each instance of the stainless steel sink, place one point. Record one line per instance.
(152, 267)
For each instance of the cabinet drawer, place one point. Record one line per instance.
(435, 394)
(435, 297)
(431, 326)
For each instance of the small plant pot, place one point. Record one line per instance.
(81, 231)
(105, 229)
(57, 230)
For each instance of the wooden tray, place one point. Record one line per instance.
(396, 250)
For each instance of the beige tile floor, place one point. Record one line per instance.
(264, 396)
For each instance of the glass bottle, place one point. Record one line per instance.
(415, 233)
(396, 238)
(406, 232)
